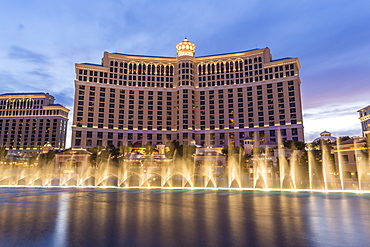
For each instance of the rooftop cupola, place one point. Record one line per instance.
(185, 48)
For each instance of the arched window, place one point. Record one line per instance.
(167, 70)
(222, 67)
(213, 68)
(231, 66)
(144, 69)
(209, 69)
(227, 66)
(116, 64)
(139, 69)
(171, 70)
(218, 67)
(121, 64)
(134, 70)
(111, 63)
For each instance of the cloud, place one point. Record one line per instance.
(64, 98)
(339, 119)
(40, 73)
(17, 52)
(333, 110)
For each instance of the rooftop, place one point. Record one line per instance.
(140, 55)
(93, 64)
(229, 53)
(280, 59)
(38, 93)
(55, 105)
(364, 109)
(220, 54)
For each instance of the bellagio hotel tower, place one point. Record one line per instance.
(215, 100)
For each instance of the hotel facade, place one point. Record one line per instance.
(365, 120)
(214, 100)
(28, 121)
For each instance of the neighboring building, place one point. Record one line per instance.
(30, 120)
(365, 120)
(216, 100)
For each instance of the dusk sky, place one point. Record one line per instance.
(41, 40)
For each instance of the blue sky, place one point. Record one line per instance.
(41, 40)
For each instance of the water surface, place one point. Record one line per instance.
(141, 217)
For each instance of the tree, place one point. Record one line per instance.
(3, 153)
(149, 149)
(231, 150)
(343, 138)
(173, 148)
(294, 145)
(43, 160)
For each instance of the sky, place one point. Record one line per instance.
(41, 40)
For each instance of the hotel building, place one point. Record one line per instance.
(30, 120)
(365, 120)
(215, 100)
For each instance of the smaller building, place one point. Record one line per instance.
(347, 154)
(72, 161)
(15, 159)
(206, 157)
(326, 135)
(248, 145)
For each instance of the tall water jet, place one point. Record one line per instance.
(283, 165)
(199, 170)
(294, 168)
(234, 162)
(312, 168)
(340, 165)
(362, 164)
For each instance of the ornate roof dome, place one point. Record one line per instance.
(326, 135)
(185, 48)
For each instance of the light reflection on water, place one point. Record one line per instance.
(137, 217)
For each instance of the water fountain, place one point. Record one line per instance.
(152, 172)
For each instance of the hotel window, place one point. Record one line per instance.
(294, 131)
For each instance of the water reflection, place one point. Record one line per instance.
(61, 223)
(117, 217)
